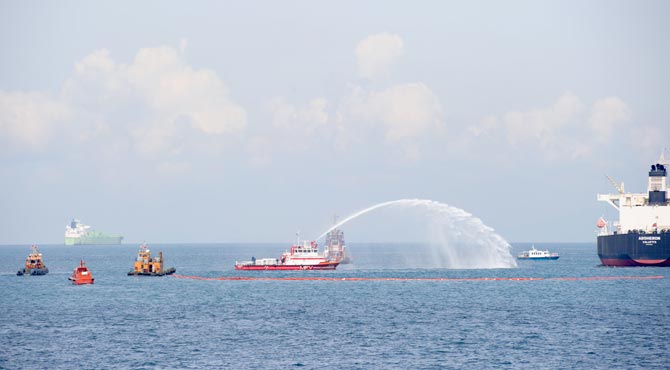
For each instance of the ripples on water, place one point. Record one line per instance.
(143, 322)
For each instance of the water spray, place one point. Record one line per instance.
(457, 238)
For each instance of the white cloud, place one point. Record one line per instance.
(159, 83)
(402, 115)
(30, 118)
(158, 102)
(566, 128)
(475, 138)
(174, 89)
(305, 120)
(607, 115)
(405, 111)
(556, 131)
(376, 53)
(484, 128)
(650, 140)
(156, 140)
(183, 43)
(293, 129)
(543, 125)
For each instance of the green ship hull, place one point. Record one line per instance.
(94, 239)
(77, 233)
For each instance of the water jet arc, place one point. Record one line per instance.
(457, 238)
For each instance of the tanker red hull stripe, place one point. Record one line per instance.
(631, 262)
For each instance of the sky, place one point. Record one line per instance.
(221, 121)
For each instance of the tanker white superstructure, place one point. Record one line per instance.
(636, 211)
(641, 236)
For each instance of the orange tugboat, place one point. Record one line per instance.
(34, 264)
(147, 266)
(81, 275)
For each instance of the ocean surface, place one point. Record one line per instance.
(576, 314)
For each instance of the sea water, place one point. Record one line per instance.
(565, 320)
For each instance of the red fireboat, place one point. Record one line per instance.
(81, 275)
(300, 257)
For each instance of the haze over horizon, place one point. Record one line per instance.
(245, 122)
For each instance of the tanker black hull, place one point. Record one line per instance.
(635, 249)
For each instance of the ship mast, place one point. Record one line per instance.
(662, 160)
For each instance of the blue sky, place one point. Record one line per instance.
(223, 121)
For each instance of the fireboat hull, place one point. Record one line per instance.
(634, 249)
(320, 266)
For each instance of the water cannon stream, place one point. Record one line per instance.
(457, 238)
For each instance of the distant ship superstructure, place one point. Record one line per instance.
(336, 249)
(641, 237)
(77, 233)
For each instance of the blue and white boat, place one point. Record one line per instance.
(534, 254)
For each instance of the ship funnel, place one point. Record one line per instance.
(658, 183)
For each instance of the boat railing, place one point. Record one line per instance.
(258, 262)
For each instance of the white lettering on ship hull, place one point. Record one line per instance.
(649, 240)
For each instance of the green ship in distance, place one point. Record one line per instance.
(77, 233)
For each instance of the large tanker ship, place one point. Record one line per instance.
(641, 237)
(77, 233)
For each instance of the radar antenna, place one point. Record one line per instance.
(619, 189)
